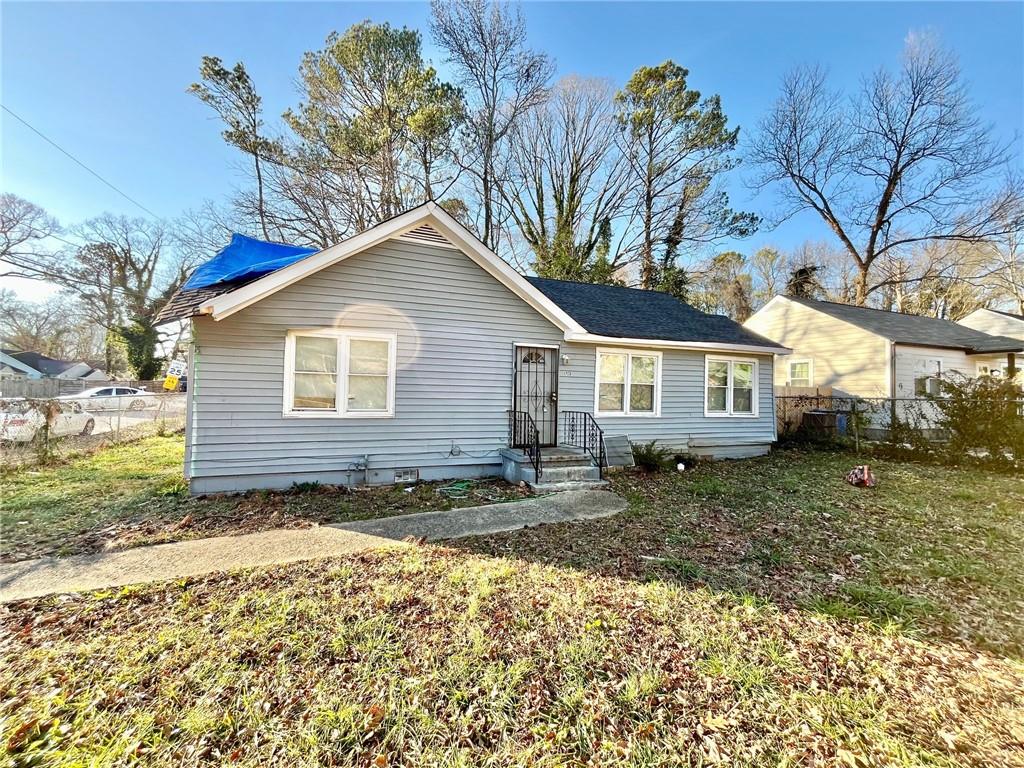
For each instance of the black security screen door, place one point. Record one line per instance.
(535, 389)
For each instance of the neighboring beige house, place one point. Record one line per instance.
(997, 323)
(875, 353)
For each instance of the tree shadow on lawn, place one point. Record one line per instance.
(931, 551)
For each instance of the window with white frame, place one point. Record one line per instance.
(929, 374)
(628, 383)
(340, 373)
(730, 386)
(801, 373)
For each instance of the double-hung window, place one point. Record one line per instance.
(730, 387)
(929, 373)
(339, 373)
(801, 373)
(628, 383)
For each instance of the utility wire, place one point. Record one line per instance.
(47, 139)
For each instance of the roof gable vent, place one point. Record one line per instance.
(427, 234)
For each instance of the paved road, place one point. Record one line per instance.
(33, 578)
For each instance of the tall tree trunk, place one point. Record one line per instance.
(861, 285)
(486, 187)
(259, 193)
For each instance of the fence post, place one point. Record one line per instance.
(117, 428)
(856, 426)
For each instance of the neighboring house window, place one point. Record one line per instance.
(801, 373)
(928, 378)
(730, 387)
(342, 373)
(995, 371)
(628, 383)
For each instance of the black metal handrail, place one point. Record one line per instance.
(580, 429)
(523, 434)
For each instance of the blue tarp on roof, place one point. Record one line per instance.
(245, 258)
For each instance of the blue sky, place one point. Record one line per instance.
(107, 81)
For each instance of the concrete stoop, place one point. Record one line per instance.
(563, 468)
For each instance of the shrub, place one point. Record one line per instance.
(650, 457)
(981, 414)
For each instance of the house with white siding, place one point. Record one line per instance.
(874, 353)
(411, 351)
(997, 323)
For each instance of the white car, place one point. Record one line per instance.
(21, 422)
(114, 399)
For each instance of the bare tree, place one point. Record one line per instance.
(568, 177)
(24, 231)
(502, 79)
(56, 327)
(768, 272)
(906, 161)
(1004, 264)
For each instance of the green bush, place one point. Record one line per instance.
(981, 414)
(650, 457)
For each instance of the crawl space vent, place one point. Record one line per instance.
(407, 475)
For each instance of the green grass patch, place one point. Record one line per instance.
(375, 660)
(134, 494)
(932, 550)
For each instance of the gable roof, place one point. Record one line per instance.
(7, 357)
(1011, 315)
(672, 324)
(617, 312)
(49, 366)
(914, 330)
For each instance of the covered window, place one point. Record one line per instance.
(929, 374)
(801, 373)
(340, 373)
(730, 387)
(628, 383)
(995, 371)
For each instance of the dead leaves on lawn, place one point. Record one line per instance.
(433, 655)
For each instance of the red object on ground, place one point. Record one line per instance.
(861, 477)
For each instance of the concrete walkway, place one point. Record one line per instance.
(33, 578)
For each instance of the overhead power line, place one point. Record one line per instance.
(50, 141)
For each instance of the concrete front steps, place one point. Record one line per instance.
(563, 468)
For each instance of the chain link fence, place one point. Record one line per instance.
(37, 430)
(916, 424)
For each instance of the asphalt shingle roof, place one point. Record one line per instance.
(611, 310)
(915, 329)
(186, 302)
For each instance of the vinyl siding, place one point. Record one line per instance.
(456, 327)
(847, 358)
(682, 424)
(994, 323)
(911, 363)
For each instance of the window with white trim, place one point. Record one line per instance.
(340, 373)
(627, 383)
(801, 373)
(730, 386)
(926, 382)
